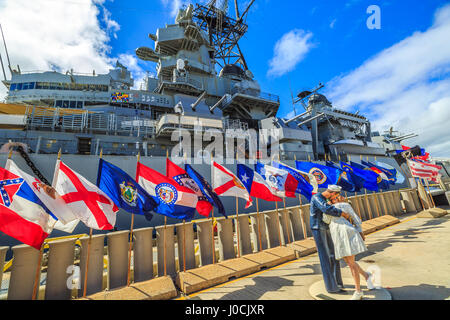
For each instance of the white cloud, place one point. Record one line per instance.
(333, 23)
(132, 63)
(174, 5)
(289, 51)
(61, 35)
(406, 86)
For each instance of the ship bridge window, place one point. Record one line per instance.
(13, 86)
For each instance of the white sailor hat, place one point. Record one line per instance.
(334, 188)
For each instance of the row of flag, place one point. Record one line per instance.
(30, 210)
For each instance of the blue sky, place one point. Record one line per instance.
(396, 75)
(337, 47)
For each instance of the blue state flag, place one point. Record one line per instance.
(371, 179)
(206, 189)
(391, 174)
(323, 174)
(303, 186)
(357, 180)
(346, 181)
(384, 182)
(124, 191)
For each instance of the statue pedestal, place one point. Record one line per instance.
(317, 291)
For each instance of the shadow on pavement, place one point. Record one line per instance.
(261, 286)
(420, 292)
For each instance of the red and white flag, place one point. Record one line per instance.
(88, 203)
(225, 183)
(424, 170)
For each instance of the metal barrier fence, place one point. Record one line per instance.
(165, 254)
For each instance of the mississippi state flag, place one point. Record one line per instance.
(172, 200)
(178, 174)
(23, 216)
(88, 203)
(226, 184)
(281, 181)
(48, 195)
(255, 184)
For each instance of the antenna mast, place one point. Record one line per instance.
(6, 50)
(224, 31)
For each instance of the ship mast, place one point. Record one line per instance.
(224, 31)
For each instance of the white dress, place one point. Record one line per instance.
(346, 238)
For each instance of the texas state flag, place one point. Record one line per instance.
(255, 184)
(23, 216)
(279, 180)
(172, 200)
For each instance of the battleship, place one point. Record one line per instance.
(202, 77)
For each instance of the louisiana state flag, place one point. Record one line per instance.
(123, 190)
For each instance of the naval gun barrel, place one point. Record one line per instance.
(296, 117)
(310, 119)
(226, 96)
(404, 137)
(199, 99)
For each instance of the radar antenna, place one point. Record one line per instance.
(224, 31)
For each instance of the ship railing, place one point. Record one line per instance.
(60, 120)
(256, 93)
(181, 80)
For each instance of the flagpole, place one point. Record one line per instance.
(278, 214)
(286, 221)
(279, 225)
(184, 229)
(301, 204)
(420, 182)
(35, 295)
(213, 247)
(237, 221)
(165, 228)
(257, 219)
(86, 269)
(375, 195)
(131, 233)
(431, 196)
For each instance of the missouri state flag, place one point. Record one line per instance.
(172, 199)
(178, 174)
(255, 184)
(23, 216)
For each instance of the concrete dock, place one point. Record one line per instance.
(413, 258)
